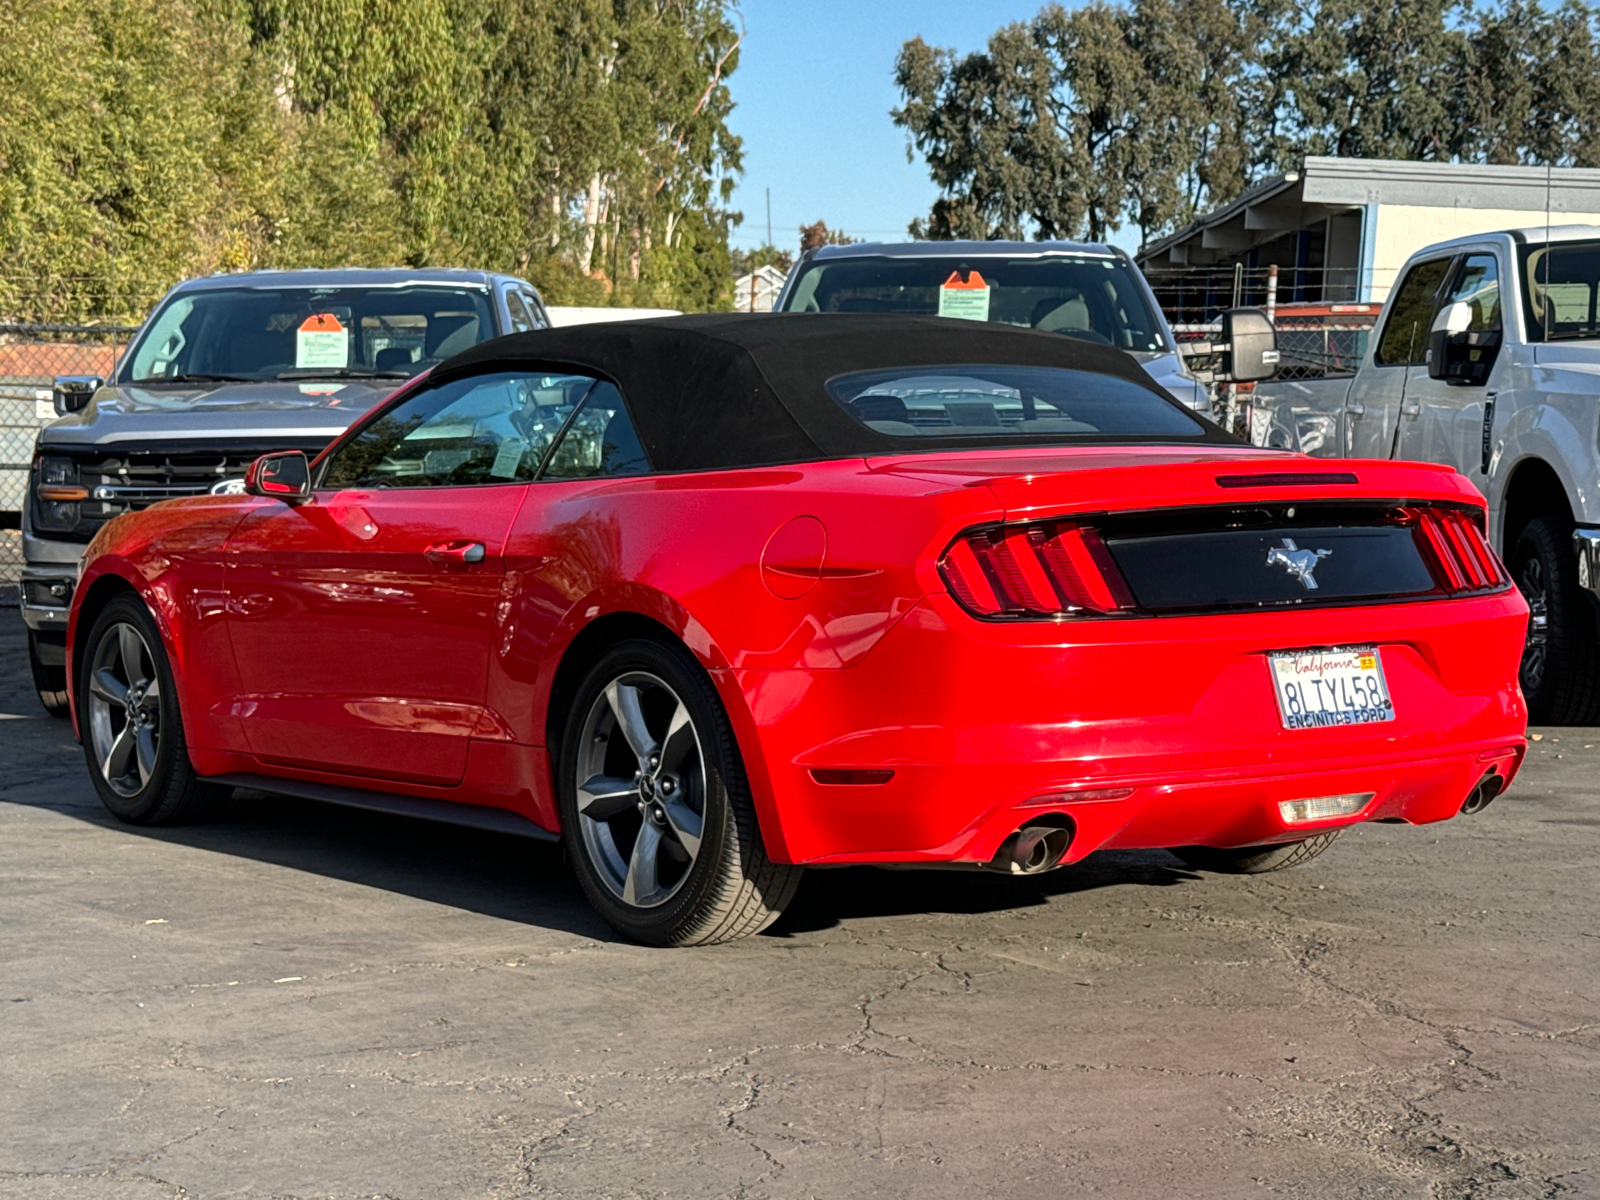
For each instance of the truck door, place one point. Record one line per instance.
(1398, 358)
(1442, 420)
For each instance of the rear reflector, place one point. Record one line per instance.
(1324, 808)
(1084, 796)
(1048, 570)
(1456, 552)
(850, 777)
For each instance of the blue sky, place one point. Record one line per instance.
(814, 88)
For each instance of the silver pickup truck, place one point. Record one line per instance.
(227, 368)
(1486, 357)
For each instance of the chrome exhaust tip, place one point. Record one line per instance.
(1032, 850)
(1479, 797)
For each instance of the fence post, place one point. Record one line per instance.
(1272, 294)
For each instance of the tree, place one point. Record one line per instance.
(745, 261)
(816, 235)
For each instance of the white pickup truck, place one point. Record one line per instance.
(1486, 357)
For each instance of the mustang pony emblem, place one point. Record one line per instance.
(1299, 563)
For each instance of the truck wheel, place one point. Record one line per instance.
(49, 682)
(1560, 672)
(1256, 860)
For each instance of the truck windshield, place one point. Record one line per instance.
(1562, 283)
(1092, 298)
(255, 334)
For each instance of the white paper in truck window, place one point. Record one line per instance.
(321, 342)
(967, 301)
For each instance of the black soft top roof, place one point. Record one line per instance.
(726, 390)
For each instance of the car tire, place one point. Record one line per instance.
(1256, 860)
(656, 814)
(50, 682)
(131, 724)
(1560, 672)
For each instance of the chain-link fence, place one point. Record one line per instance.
(31, 356)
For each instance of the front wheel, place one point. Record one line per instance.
(49, 681)
(1256, 860)
(1560, 673)
(130, 723)
(655, 811)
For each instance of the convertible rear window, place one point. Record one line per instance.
(980, 401)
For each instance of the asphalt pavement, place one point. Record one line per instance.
(301, 1001)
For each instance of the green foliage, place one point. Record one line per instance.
(745, 261)
(582, 142)
(1081, 121)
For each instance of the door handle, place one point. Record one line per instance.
(1410, 410)
(1355, 410)
(446, 553)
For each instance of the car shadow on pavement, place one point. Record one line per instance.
(828, 898)
(527, 882)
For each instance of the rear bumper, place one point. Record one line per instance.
(987, 726)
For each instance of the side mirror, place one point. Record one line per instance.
(1252, 342)
(1456, 352)
(285, 477)
(72, 393)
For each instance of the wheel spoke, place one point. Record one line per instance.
(116, 764)
(132, 649)
(152, 693)
(679, 741)
(624, 701)
(145, 753)
(640, 885)
(602, 797)
(686, 826)
(108, 687)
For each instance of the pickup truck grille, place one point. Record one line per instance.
(123, 479)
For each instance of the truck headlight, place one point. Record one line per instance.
(56, 493)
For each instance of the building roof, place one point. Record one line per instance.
(1324, 185)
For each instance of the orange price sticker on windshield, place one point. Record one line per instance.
(966, 301)
(321, 342)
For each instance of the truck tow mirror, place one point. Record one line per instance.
(1252, 346)
(285, 477)
(72, 393)
(1457, 353)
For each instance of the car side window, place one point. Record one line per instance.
(1405, 334)
(599, 442)
(1477, 285)
(483, 429)
(521, 319)
(541, 319)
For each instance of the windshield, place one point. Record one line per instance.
(256, 334)
(1096, 299)
(1561, 283)
(972, 401)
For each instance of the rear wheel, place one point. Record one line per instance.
(1560, 672)
(48, 680)
(655, 811)
(1256, 860)
(130, 723)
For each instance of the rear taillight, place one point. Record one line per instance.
(1455, 550)
(1048, 570)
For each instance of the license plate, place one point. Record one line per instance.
(1317, 689)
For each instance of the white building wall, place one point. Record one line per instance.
(1404, 229)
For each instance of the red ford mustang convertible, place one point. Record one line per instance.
(715, 598)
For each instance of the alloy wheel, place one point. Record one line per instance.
(124, 709)
(641, 789)
(1531, 583)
